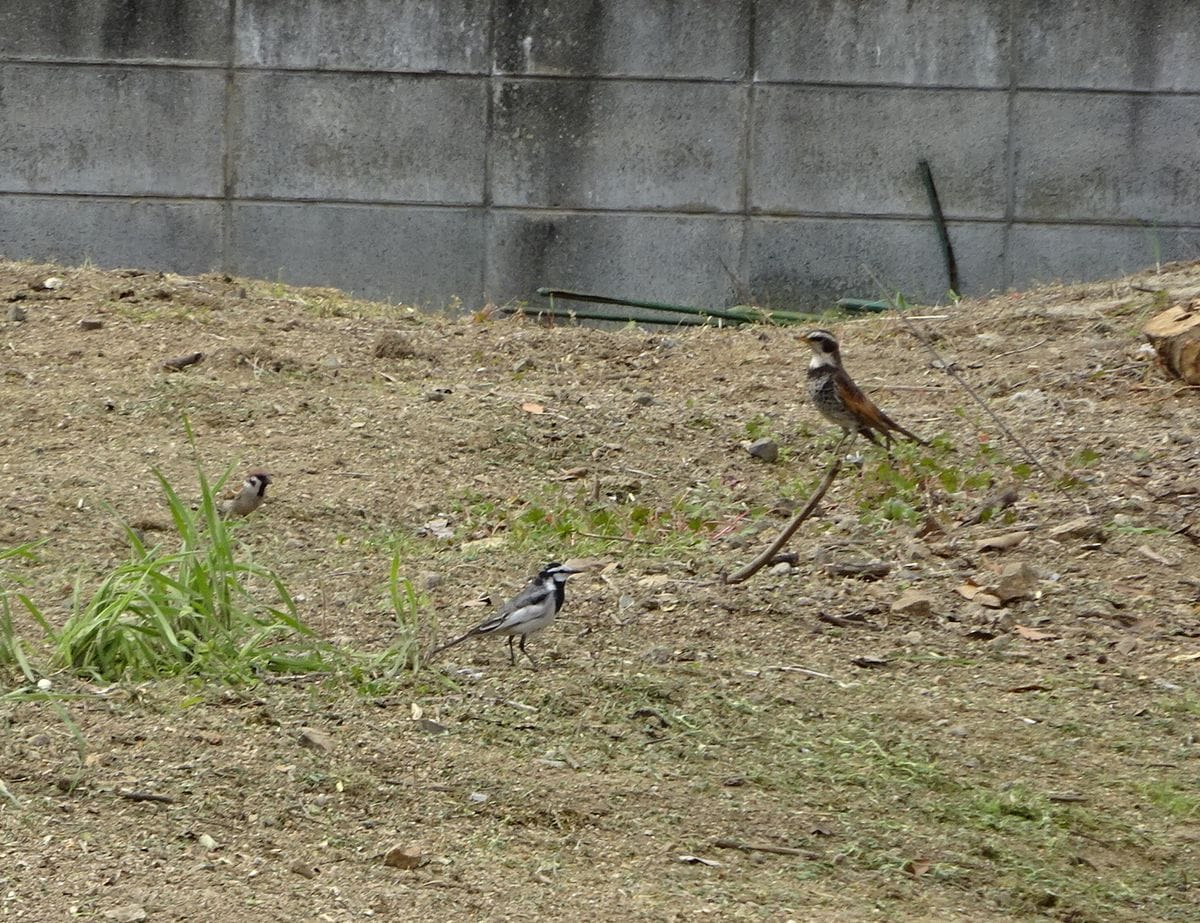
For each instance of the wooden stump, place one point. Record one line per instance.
(1175, 336)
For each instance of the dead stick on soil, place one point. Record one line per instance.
(962, 382)
(757, 564)
(1023, 349)
(617, 538)
(725, 843)
(145, 796)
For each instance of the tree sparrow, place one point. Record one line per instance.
(250, 497)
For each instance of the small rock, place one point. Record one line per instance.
(437, 394)
(16, 313)
(206, 842)
(430, 580)
(129, 913)
(1029, 398)
(987, 599)
(782, 569)
(524, 364)
(331, 362)
(1083, 528)
(912, 638)
(957, 731)
(915, 603)
(404, 857)
(52, 283)
(90, 323)
(1017, 581)
(645, 399)
(392, 344)
(303, 870)
(766, 449)
(314, 739)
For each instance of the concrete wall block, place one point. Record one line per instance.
(674, 258)
(624, 38)
(1081, 253)
(1108, 157)
(107, 30)
(913, 42)
(420, 256)
(587, 144)
(179, 236)
(378, 138)
(1108, 44)
(408, 35)
(123, 130)
(811, 262)
(839, 149)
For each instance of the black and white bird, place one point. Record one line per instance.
(530, 611)
(839, 400)
(250, 497)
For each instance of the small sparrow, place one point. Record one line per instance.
(250, 497)
(531, 610)
(840, 400)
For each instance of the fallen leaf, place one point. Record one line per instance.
(1033, 634)
(869, 662)
(482, 544)
(917, 867)
(531, 407)
(1002, 542)
(968, 590)
(697, 860)
(1029, 687)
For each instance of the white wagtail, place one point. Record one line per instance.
(250, 497)
(531, 610)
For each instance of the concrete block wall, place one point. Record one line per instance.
(661, 149)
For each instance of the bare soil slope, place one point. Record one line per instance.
(1022, 756)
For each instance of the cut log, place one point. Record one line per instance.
(1175, 336)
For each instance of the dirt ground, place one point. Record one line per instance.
(810, 744)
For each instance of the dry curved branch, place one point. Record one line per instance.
(757, 564)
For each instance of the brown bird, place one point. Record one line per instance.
(840, 400)
(250, 497)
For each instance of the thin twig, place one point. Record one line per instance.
(617, 538)
(145, 796)
(726, 843)
(884, 386)
(846, 623)
(1023, 349)
(962, 382)
(758, 563)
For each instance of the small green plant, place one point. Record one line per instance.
(191, 610)
(12, 648)
(404, 654)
